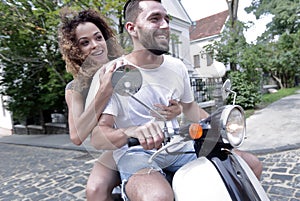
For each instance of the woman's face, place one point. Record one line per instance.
(91, 42)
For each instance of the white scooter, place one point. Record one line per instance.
(218, 174)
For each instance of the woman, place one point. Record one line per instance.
(86, 43)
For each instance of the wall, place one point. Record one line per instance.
(179, 25)
(5, 119)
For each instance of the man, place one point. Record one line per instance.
(147, 22)
(164, 78)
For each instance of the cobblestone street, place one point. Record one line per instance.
(33, 173)
(281, 175)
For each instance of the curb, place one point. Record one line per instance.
(289, 147)
(84, 148)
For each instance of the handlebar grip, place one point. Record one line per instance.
(133, 142)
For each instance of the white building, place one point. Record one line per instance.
(180, 37)
(189, 38)
(5, 117)
(205, 31)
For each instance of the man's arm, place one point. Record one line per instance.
(105, 136)
(193, 111)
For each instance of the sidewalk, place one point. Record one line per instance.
(274, 128)
(57, 141)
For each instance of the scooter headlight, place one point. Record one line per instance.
(233, 125)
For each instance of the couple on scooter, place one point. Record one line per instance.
(164, 78)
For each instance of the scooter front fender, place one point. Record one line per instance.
(199, 180)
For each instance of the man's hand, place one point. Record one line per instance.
(168, 112)
(149, 135)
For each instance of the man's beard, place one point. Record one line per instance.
(157, 51)
(148, 41)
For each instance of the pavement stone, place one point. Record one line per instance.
(281, 175)
(35, 173)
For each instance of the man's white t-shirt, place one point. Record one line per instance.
(168, 81)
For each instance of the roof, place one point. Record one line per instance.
(176, 9)
(208, 26)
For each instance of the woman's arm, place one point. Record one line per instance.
(82, 122)
(106, 137)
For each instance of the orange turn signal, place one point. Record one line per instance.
(195, 131)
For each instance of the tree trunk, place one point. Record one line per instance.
(277, 80)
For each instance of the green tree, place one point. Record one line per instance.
(276, 52)
(30, 57)
(228, 49)
(286, 16)
(255, 62)
(245, 72)
(285, 59)
(32, 72)
(282, 37)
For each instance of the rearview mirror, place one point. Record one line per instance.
(127, 80)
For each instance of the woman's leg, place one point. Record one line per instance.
(103, 179)
(252, 161)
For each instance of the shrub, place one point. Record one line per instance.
(247, 89)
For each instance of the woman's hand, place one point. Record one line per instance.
(105, 75)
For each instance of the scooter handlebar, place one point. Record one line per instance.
(133, 142)
(182, 131)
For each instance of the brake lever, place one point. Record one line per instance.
(174, 141)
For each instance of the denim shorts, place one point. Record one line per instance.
(137, 159)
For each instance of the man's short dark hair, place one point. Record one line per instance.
(131, 9)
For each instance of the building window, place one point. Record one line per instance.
(197, 61)
(175, 45)
(209, 59)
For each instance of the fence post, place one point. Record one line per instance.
(217, 93)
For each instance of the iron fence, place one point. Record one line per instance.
(205, 89)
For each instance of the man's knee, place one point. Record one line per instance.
(151, 186)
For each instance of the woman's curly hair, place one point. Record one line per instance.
(68, 45)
